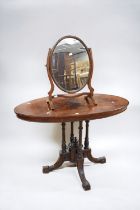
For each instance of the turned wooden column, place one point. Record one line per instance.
(64, 147)
(72, 132)
(80, 133)
(86, 144)
(80, 155)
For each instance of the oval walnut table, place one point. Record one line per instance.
(70, 110)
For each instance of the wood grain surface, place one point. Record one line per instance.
(74, 109)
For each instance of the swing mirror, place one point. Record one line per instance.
(70, 64)
(70, 68)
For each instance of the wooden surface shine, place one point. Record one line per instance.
(74, 109)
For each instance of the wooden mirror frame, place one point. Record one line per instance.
(88, 95)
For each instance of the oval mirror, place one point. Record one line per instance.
(70, 64)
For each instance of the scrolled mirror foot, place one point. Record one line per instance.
(50, 105)
(91, 99)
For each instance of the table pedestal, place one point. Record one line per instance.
(75, 152)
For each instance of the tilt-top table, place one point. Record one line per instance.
(71, 110)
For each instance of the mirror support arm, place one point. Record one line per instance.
(48, 66)
(91, 93)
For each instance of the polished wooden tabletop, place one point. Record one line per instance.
(74, 109)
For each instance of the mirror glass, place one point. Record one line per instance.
(70, 65)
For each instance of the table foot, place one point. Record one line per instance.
(93, 159)
(59, 162)
(85, 183)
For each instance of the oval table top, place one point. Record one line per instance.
(74, 109)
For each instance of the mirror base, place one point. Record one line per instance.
(88, 97)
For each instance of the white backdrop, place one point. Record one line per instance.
(27, 29)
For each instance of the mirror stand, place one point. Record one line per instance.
(89, 96)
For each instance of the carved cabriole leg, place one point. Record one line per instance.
(80, 161)
(62, 157)
(85, 183)
(59, 162)
(87, 150)
(87, 153)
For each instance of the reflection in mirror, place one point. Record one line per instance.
(70, 65)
